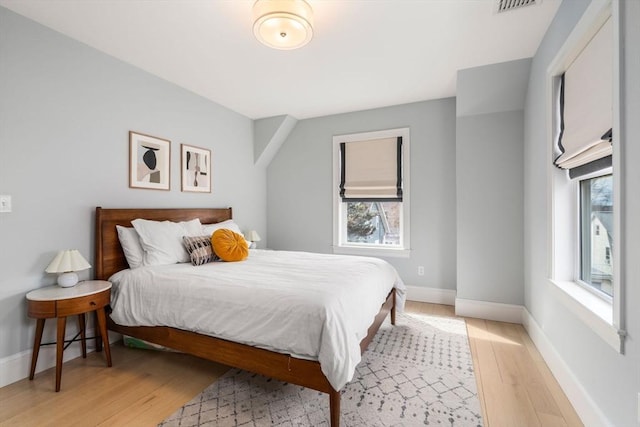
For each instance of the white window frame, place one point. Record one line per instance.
(340, 244)
(605, 316)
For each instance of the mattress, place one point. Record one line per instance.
(312, 306)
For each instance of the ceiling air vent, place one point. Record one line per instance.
(507, 5)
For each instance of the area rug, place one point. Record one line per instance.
(416, 373)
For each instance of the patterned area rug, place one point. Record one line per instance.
(419, 372)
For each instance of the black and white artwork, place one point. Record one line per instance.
(195, 169)
(149, 162)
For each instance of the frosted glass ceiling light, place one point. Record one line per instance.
(283, 24)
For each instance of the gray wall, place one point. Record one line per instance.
(612, 380)
(492, 88)
(300, 186)
(65, 113)
(489, 207)
(489, 181)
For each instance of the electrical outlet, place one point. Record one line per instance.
(420, 271)
(5, 203)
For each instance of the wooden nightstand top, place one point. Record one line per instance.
(55, 292)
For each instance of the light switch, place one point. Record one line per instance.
(5, 203)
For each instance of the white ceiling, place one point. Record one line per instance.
(364, 54)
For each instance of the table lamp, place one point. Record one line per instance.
(253, 237)
(66, 263)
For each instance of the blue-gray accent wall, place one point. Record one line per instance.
(65, 113)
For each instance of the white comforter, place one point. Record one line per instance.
(308, 305)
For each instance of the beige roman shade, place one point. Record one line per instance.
(371, 170)
(586, 104)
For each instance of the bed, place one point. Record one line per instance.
(292, 365)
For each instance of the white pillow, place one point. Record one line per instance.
(229, 224)
(162, 240)
(208, 229)
(130, 242)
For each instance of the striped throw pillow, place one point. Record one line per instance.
(199, 248)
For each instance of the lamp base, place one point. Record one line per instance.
(67, 280)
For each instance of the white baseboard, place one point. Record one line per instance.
(432, 295)
(489, 310)
(587, 410)
(17, 366)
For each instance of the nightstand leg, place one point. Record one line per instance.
(36, 346)
(96, 333)
(83, 335)
(102, 323)
(62, 323)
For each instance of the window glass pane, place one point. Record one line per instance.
(374, 223)
(596, 206)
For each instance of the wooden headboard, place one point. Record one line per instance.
(109, 257)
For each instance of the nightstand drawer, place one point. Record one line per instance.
(42, 309)
(67, 307)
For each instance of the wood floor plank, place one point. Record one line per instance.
(552, 420)
(568, 413)
(515, 386)
(519, 367)
(474, 328)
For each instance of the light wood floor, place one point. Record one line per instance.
(142, 388)
(515, 386)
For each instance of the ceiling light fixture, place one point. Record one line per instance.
(283, 24)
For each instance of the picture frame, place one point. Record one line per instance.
(195, 170)
(149, 162)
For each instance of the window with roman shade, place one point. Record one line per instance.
(371, 193)
(371, 170)
(584, 209)
(586, 108)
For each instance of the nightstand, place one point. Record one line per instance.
(56, 302)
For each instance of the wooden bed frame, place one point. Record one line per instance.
(109, 259)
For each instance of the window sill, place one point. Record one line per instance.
(367, 251)
(595, 312)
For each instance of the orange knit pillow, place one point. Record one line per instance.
(229, 246)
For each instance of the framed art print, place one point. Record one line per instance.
(149, 162)
(195, 169)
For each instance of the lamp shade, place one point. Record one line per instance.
(283, 24)
(66, 261)
(253, 236)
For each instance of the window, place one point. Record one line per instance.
(371, 196)
(596, 214)
(374, 223)
(585, 172)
